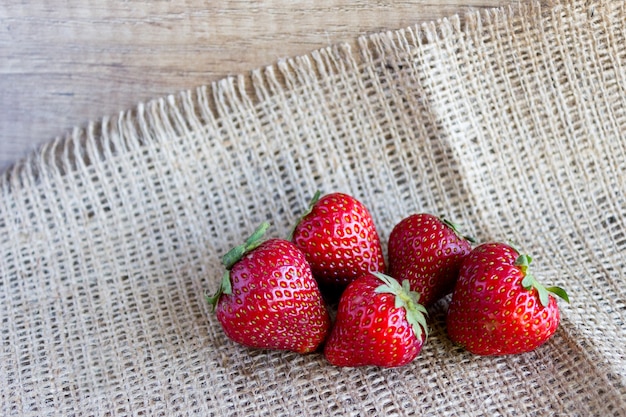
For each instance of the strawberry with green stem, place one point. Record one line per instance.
(427, 251)
(339, 239)
(498, 307)
(268, 297)
(379, 322)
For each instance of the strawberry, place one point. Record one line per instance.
(498, 307)
(268, 297)
(379, 322)
(339, 239)
(427, 251)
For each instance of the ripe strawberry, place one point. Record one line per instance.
(339, 239)
(498, 307)
(427, 251)
(268, 297)
(379, 322)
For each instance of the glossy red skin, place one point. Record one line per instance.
(428, 253)
(491, 313)
(275, 301)
(339, 240)
(370, 330)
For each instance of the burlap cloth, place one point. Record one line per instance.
(510, 122)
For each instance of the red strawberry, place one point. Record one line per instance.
(497, 307)
(427, 251)
(379, 322)
(339, 239)
(268, 297)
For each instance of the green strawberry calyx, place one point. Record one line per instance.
(456, 229)
(530, 282)
(225, 288)
(235, 254)
(407, 299)
(314, 200)
(231, 258)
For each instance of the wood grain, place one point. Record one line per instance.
(64, 63)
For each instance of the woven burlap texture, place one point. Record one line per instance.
(510, 122)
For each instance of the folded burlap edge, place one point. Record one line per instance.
(206, 105)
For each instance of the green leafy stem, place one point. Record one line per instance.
(407, 299)
(529, 282)
(231, 258)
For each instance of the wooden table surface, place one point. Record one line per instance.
(64, 63)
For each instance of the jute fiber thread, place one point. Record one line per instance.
(510, 122)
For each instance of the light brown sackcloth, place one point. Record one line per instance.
(511, 122)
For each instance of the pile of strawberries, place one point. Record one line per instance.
(276, 293)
